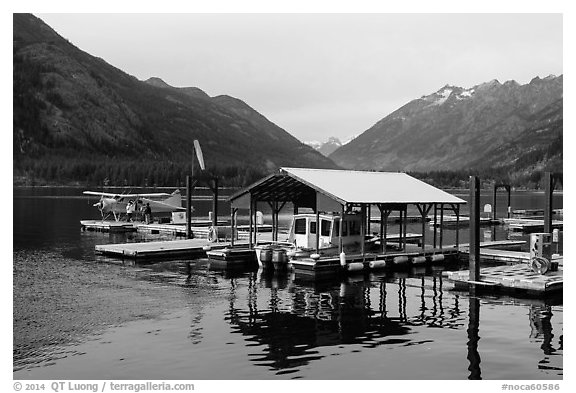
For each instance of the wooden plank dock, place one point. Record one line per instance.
(513, 245)
(518, 279)
(464, 221)
(370, 261)
(396, 220)
(506, 256)
(190, 248)
(200, 228)
(534, 213)
(107, 226)
(530, 225)
(198, 231)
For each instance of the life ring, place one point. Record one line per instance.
(539, 265)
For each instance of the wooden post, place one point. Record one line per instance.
(188, 207)
(494, 201)
(278, 209)
(317, 226)
(457, 225)
(250, 244)
(255, 222)
(441, 223)
(369, 217)
(381, 231)
(386, 215)
(404, 226)
(275, 222)
(340, 231)
(423, 214)
(548, 190)
(232, 225)
(272, 208)
(424, 210)
(474, 261)
(400, 228)
(215, 203)
(473, 338)
(509, 210)
(435, 222)
(362, 228)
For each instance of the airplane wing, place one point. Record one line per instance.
(160, 206)
(152, 195)
(111, 195)
(104, 194)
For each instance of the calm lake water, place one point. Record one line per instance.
(79, 316)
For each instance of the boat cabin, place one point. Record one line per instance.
(304, 227)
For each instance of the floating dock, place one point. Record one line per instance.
(232, 258)
(324, 266)
(506, 256)
(397, 220)
(412, 256)
(107, 226)
(175, 229)
(512, 245)
(200, 228)
(530, 225)
(519, 279)
(189, 248)
(534, 213)
(450, 221)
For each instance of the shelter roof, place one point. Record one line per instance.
(346, 186)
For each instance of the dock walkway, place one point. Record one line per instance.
(518, 278)
(507, 256)
(191, 248)
(200, 228)
(107, 226)
(530, 225)
(450, 221)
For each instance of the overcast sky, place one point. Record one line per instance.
(321, 75)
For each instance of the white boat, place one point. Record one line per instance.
(302, 239)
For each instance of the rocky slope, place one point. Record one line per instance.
(75, 109)
(492, 125)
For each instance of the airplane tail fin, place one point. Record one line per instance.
(175, 199)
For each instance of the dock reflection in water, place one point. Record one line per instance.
(300, 323)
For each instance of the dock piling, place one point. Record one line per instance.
(494, 192)
(188, 207)
(474, 258)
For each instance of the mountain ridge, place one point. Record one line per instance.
(71, 109)
(456, 128)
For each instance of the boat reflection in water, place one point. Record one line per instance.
(293, 324)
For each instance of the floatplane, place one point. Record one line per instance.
(116, 204)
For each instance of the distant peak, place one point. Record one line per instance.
(440, 96)
(537, 79)
(155, 81)
(448, 86)
(492, 83)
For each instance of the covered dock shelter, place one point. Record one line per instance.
(342, 192)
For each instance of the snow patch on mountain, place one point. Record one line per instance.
(314, 144)
(465, 94)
